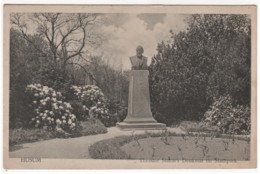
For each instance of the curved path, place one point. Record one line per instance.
(71, 147)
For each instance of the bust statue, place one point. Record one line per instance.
(139, 62)
(139, 115)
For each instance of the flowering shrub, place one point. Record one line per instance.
(50, 109)
(228, 119)
(94, 103)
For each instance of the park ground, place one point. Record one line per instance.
(70, 147)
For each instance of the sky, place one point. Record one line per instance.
(122, 33)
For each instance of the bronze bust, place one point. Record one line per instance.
(139, 62)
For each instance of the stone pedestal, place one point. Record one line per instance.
(139, 110)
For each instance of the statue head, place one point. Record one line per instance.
(139, 62)
(139, 51)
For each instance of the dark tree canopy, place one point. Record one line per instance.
(210, 59)
(53, 49)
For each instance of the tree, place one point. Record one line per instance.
(55, 50)
(25, 66)
(46, 48)
(68, 37)
(210, 59)
(112, 81)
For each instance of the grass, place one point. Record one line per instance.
(110, 149)
(129, 147)
(21, 135)
(193, 126)
(192, 148)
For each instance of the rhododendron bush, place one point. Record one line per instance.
(52, 112)
(228, 119)
(50, 109)
(94, 103)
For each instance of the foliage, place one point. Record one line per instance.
(30, 64)
(44, 56)
(78, 110)
(229, 119)
(25, 63)
(35, 57)
(19, 136)
(91, 127)
(93, 101)
(117, 109)
(192, 126)
(109, 149)
(94, 104)
(67, 35)
(110, 77)
(50, 111)
(211, 58)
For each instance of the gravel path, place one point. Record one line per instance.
(71, 147)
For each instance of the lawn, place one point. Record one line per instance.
(172, 147)
(192, 148)
(19, 136)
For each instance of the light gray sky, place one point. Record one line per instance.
(124, 32)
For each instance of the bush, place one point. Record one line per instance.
(209, 59)
(50, 111)
(22, 135)
(19, 136)
(118, 110)
(192, 126)
(110, 149)
(94, 104)
(79, 110)
(228, 119)
(92, 127)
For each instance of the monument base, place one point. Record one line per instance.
(139, 115)
(140, 126)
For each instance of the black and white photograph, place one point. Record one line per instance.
(150, 85)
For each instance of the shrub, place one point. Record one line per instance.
(25, 135)
(79, 110)
(19, 136)
(211, 58)
(93, 103)
(50, 111)
(92, 127)
(192, 126)
(118, 110)
(110, 149)
(228, 119)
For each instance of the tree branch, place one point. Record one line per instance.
(15, 20)
(86, 71)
